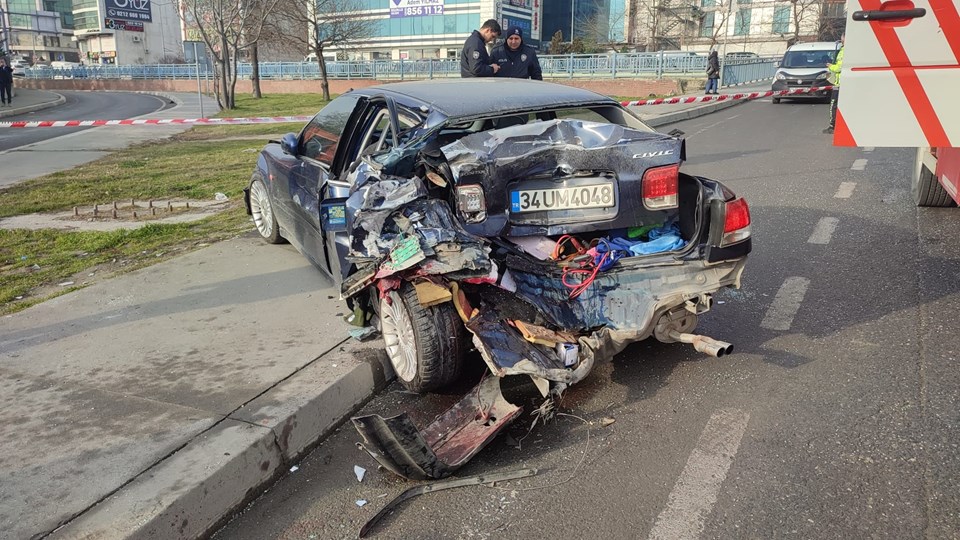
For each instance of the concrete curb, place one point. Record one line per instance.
(32, 108)
(193, 491)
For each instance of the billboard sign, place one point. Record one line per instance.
(117, 24)
(130, 10)
(415, 8)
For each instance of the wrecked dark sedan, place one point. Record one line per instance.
(543, 225)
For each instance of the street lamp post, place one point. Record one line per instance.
(572, 12)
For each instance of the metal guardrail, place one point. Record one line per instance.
(604, 66)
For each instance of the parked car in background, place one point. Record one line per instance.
(19, 67)
(553, 229)
(805, 66)
(735, 57)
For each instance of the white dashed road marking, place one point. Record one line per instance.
(845, 190)
(859, 165)
(734, 116)
(824, 231)
(695, 492)
(784, 308)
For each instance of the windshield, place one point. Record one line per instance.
(808, 59)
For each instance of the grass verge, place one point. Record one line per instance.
(38, 264)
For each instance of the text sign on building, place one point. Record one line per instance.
(131, 10)
(117, 24)
(415, 8)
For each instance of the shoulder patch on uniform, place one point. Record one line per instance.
(476, 55)
(523, 58)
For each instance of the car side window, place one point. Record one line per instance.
(321, 135)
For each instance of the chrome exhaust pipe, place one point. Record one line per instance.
(704, 344)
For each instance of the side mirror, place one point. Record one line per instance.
(289, 144)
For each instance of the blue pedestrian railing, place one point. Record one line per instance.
(586, 66)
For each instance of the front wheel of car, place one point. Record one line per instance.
(261, 208)
(426, 346)
(927, 191)
(776, 100)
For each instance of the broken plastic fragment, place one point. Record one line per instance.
(220, 196)
(363, 334)
(606, 421)
(361, 502)
(294, 468)
(359, 471)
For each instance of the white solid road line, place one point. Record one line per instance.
(845, 190)
(695, 492)
(823, 231)
(868, 149)
(781, 312)
(859, 165)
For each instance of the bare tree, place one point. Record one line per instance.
(720, 17)
(227, 27)
(331, 24)
(805, 16)
(602, 30)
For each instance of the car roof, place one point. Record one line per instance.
(815, 46)
(456, 98)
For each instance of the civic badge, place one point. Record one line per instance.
(523, 58)
(476, 55)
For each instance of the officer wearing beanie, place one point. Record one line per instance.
(515, 58)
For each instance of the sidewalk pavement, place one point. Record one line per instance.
(84, 146)
(156, 403)
(26, 100)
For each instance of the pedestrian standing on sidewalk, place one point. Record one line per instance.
(6, 83)
(713, 73)
(515, 58)
(834, 79)
(474, 59)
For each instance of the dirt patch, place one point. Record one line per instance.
(129, 214)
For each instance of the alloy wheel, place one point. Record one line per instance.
(398, 335)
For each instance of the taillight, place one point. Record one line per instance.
(471, 203)
(736, 224)
(660, 187)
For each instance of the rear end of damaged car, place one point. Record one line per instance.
(551, 245)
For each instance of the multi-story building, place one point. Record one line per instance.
(583, 19)
(37, 30)
(127, 31)
(414, 29)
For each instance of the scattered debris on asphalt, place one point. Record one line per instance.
(359, 471)
(294, 468)
(606, 421)
(441, 485)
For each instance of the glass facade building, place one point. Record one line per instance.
(37, 30)
(421, 29)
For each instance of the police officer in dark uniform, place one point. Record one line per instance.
(474, 60)
(515, 58)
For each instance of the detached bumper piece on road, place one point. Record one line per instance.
(548, 260)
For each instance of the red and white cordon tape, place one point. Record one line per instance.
(285, 119)
(157, 121)
(724, 97)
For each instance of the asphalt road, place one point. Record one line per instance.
(80, 106)
(836, 418)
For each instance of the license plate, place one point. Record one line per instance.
(565, 198)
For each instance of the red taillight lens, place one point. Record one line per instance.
(736, 224)
(660, 187)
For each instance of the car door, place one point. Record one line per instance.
(374, 130)
(310, 169)
(901, 72)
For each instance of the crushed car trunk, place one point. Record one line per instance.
(560, 243)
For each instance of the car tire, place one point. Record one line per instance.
(776, 100)
(927, 191)
(261, 209)
(426, 346)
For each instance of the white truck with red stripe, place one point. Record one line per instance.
(900, 86)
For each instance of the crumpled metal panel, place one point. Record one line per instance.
(447, 443)
(627, 296)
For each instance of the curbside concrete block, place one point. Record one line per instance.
(187, 493)
(307, 407)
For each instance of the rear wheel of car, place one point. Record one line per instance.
(261, 208)
(426, 346)
(927, 191)
(776, 100)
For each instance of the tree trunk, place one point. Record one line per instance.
(255, 71)
(324, 83)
